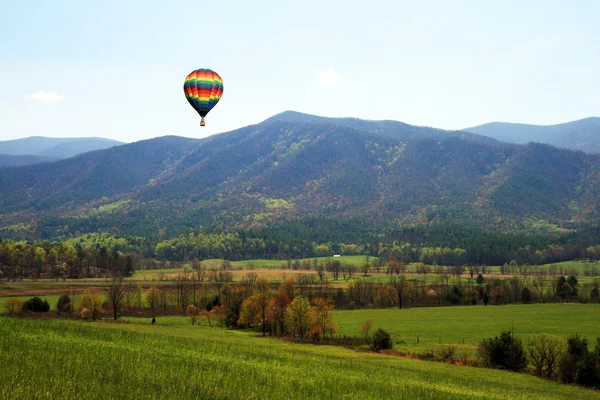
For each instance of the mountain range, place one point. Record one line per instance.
(38, 149)
(296, 166)
(581, 135)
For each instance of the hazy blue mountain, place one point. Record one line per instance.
(581, 135)
(7, 160)
(55, 147)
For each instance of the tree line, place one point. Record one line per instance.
(61, 260)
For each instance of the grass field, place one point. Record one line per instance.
(452, 325)
(75, 360)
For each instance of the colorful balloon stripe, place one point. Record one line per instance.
(203, 89)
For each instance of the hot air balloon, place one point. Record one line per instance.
(203, 89)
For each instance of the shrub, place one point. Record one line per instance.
(382, 340)
(35, 304)
(577, 350)
(580, 365)
(85, 314)
(446, 353)
(92, 304)
(192, 313)
(12, 306)
(588, 373)
(64, 304)
(503, 352)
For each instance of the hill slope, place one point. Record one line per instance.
(55, 147)
(581, 135)
(7, 160)
(201, 362)
(281, 170)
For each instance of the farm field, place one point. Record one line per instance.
(452, 325)
(101, 359)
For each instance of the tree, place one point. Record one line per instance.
(192, 313)
(299, 317)
(525, 295)
(153, 299)
(93, 306)
(116, 290)
(276, 312)
(365, 267)
(39, 260)
(545, 352)
(324, 321)
(399, 283)
(254, 312)
(480, 279)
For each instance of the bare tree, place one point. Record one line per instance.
(545, 352)
(116, 291)
(399, 283)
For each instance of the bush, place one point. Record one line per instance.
(12, 306)
(580, 365)
(35, 304)
(382, 340)
(85, 314)
(64, 304)
(588, 373)
(446, 353)
(503, 352)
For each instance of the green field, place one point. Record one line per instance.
(115, 361)
(452, 325)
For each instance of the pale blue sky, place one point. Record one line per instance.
(116, 68)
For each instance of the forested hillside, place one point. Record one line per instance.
(293, 166)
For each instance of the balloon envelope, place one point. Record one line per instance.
(203, 89)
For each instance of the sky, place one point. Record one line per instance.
(115, 69)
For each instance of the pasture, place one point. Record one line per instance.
(452, 325)
(117, 360)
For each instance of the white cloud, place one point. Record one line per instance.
(330, 77)
(46, 97)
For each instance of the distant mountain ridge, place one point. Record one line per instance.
(294, 166)
(53, 148)
(8, 160)
(581, 135)
(391, 128)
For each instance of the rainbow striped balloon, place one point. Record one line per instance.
(203, 89)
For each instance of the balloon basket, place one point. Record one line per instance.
(202, 123)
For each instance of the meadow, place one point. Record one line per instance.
(463, 327)
(140, 361)
(455, 325)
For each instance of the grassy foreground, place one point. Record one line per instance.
(74, 360)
